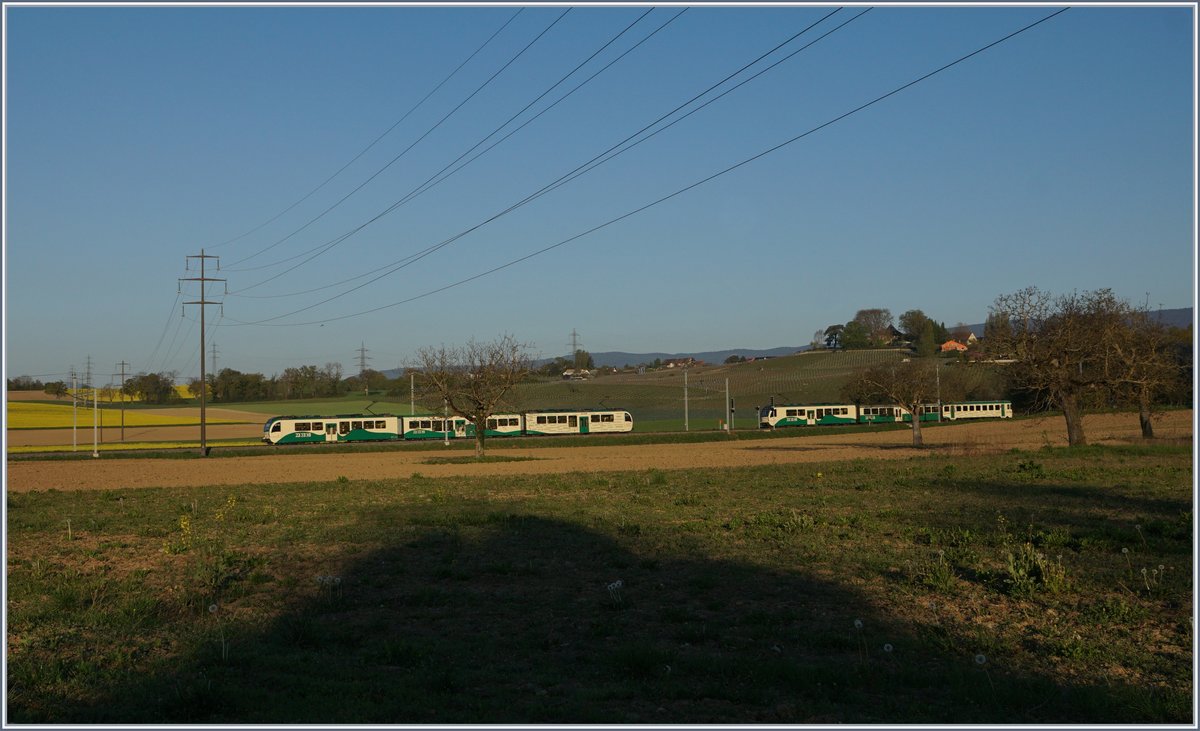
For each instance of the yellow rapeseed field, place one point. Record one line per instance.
(22, 415)
(124, 446)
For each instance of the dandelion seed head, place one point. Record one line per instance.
(887, 647)
(858, 624)
(1162, 568)
(1124, 550)
(981, 659)
(337, 579)
(212, 608)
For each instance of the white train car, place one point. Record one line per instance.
(435, 427)
(321, 429)
(502, 425)
(587, 421)
(783, 415)
(977, 410)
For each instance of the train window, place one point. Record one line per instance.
(492, 424)
(303, 426)
(541, 420)
(573, 420)
(317, 426)
(606, 417)
(628, 417)
(563, 420)
(277, 427)
(791, 412)
(426, 424)
(595, 418)
(343, 427)
(356, 425)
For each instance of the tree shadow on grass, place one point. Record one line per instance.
(504, 617)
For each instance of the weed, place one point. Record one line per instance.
(1031, 468)
(938, 574)
(1030, 571)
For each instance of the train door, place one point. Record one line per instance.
(460, 428)
(811, 415)
(1003, 412)
(584, 423)
(331, 431)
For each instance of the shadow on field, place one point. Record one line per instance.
(498, 617)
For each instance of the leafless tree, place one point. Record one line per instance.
(1063, 347)
(909, 384)
(1140, 363)
(474, 379)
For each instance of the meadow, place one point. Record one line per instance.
(1043, 586)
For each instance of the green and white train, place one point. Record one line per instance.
(388, 427)
(775, 416)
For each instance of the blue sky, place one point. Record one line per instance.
(135, 136)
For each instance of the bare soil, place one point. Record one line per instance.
(314, 464)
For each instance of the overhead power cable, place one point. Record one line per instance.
(434, 179)
(678, 192)
(374, 142)
(571, 175)
(405, 151)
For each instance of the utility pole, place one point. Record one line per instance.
(203, 280)
(685, 401)
(95, 411)
(214, 358)
(726, 404)
(122, 365)
(362, 369)
(74, 410)
(412, 393)
(575, 349)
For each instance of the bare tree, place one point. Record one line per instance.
(1140, 364)
(1062, 347)
(473, 380)
(909, 384)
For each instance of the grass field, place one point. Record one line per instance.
(36, 415)
(1051, 586)
(656, 396)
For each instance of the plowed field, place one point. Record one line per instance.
(314, 464)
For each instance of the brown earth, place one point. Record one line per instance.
(966, 439)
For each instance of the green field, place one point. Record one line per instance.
(656, 396)
(1043, 587)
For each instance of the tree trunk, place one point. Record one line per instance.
(916, 426)
(479, 436)
(1144, 412)
(1074, 416)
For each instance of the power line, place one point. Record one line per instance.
(375, 141)
(412, 258)
(435, 180)
(405, 150)
(665, 198)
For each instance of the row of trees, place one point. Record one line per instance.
(1070, 353)
(875, 328)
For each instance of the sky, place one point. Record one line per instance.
(352, 170)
